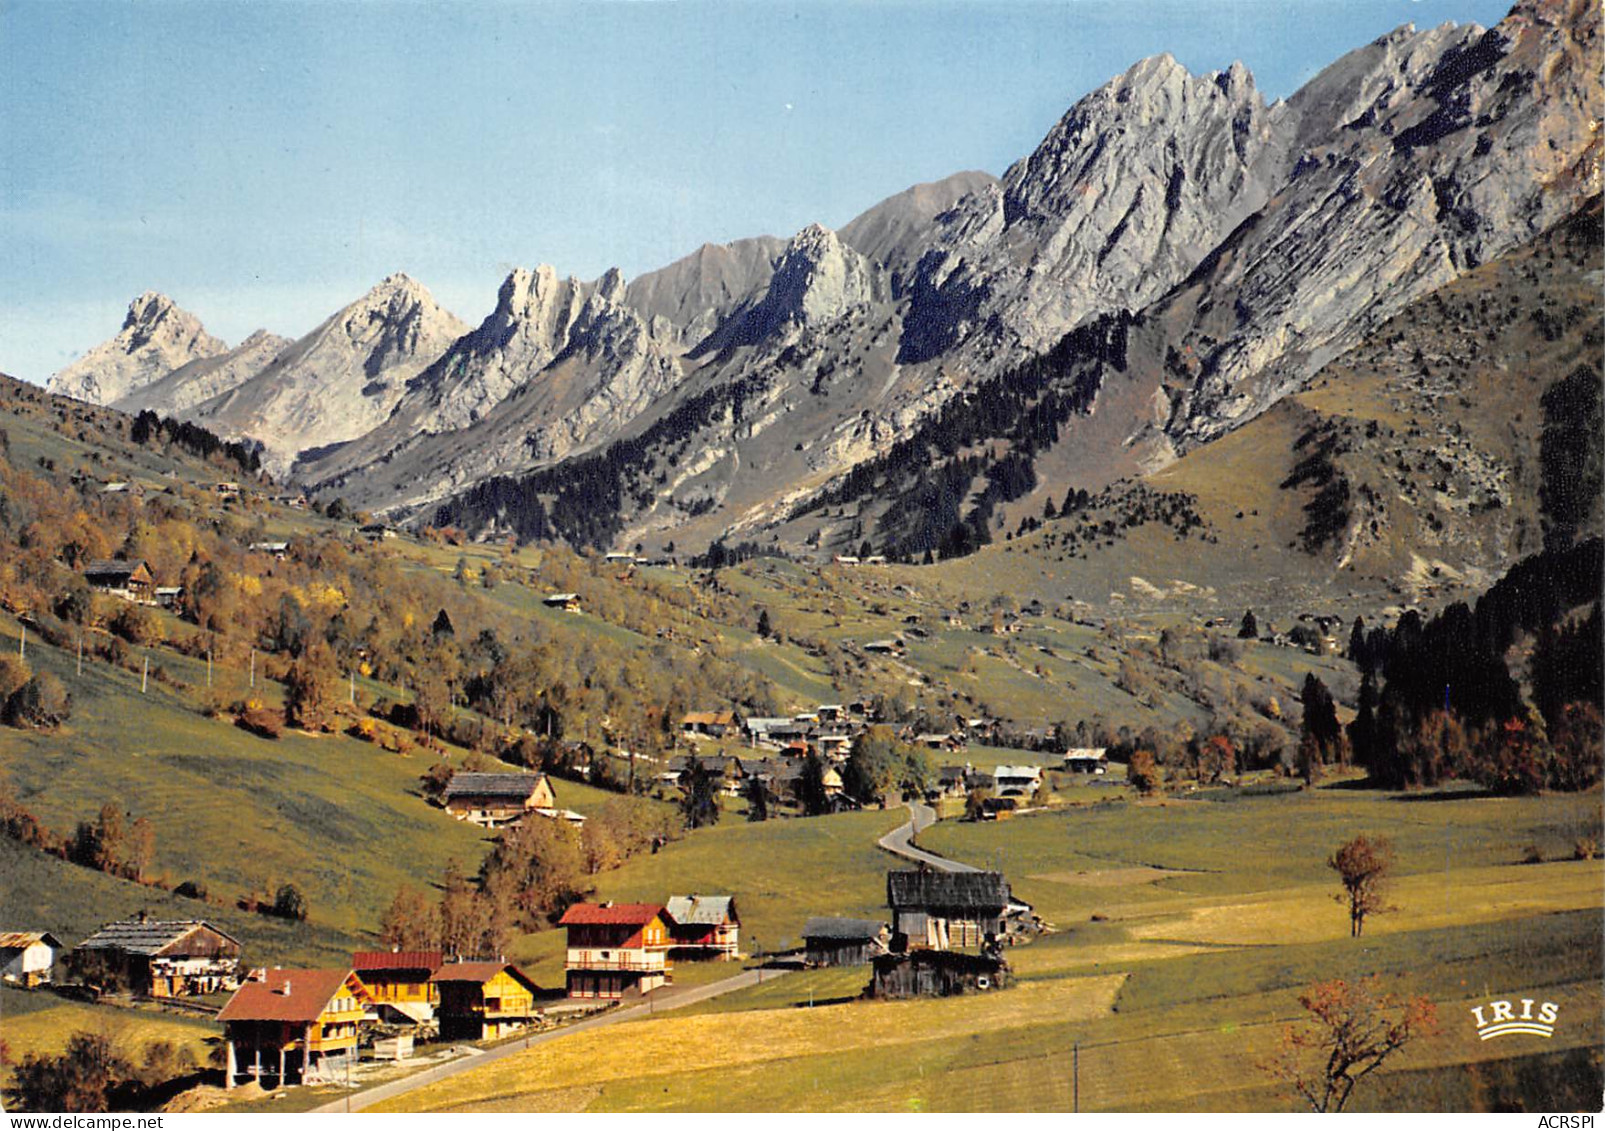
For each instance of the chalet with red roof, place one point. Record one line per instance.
(293, 1026)
(616, 950)
(399, 982)
(482, 1000)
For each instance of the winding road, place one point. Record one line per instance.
(900, 841)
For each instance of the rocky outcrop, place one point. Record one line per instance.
(157, 337)
(1455, 145)
(201, 380)
(341, 380)
(1123, 198)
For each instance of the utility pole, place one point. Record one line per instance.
(353, 677)
(22, 645)
(80, 651)
(253, 665)
(1075, 1075)
(144, 674)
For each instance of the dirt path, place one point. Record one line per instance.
(671, 999)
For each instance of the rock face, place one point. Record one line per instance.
(1422, 156)
(190, 385)
(157, 337)
(556, 364)
(341, 380)
(1123, 198)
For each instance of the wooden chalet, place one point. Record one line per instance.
(27, 958)
(943, 910)
(161, 958)
(936, 973)
(132, 581)
(494, 800)
(1017, 781)
(829, 941)
(1086, 760)
(566, 601)
(482, 1000)
(713, 724)
(616, 950)
(703, 926)
(399, 982)
(296, 1026)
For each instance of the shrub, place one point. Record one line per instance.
(42, 704)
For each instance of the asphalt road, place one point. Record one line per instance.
(899, 842)
(670, 999)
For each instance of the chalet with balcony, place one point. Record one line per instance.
(159, 958)
(616, 950)
(399, 983)
(483, 1000)
(293, 1026)
(703, 926)
(495, 800)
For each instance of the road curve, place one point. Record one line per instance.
(673, 999)
(899, 842)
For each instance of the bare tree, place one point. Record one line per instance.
(1364, 866)
(1352, 1028)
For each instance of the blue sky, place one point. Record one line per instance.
(266, 163)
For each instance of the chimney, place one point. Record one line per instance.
(285, 989)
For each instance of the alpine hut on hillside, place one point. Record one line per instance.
(161, 958)
(298, 1026)
(494, 800)
(132, 581)
(27, 957)
(831, 941)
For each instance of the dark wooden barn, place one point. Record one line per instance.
(843, 942)
(936, 973)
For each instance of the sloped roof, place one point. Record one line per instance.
(285, 995)
(704, 910)
(964, 890)
(22, 940)
(516, 787)
(149, 936)
(115, 568)
(479, 973)
(829, 927)
(621, 914)
(365, 960)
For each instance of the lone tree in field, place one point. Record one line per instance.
(1351, 1030)
(1363, 866)
(699, 801)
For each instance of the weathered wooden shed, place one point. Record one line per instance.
(946, 909)
(831, 941)
(936, 973)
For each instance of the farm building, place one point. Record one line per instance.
(27, 957)
(296, 1026)
(714, 724)
(481, 1000)
(1017, 781)
(132, 581)
(616, 950)
(890, 647)
(568, 601)
(162, 958)
(376, 532)
(494, 800)
(843, 942)
(1086, 760)
(703, 926)
(398, 981)
(936, 973)
(950, 780)
(942, 910)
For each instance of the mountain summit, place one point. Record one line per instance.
(157, 337)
